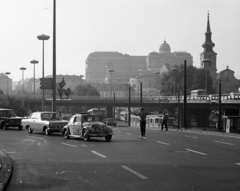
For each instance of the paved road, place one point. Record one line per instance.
(166, 160)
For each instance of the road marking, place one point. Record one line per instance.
(96, 153)
(84, 145)
(13, 152)
(128, 133)
(196, 152)
(223, 143)
(237, 163)
(36, 137)
(134, 172)
(144, 137)
(162, 143)
(191, 136)
(69, 145)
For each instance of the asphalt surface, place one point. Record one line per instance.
(165, 160)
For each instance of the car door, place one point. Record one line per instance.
(37, 122)
(31, 120)
(70, 125)
(77, 125)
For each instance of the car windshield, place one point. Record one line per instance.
(50, 116)
(7, 113)
(89, 118)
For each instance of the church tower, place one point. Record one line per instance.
(208, 57)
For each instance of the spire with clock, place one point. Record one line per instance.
(208, 57)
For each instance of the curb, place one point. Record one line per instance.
(6, 168)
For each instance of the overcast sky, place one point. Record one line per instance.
(135, 27)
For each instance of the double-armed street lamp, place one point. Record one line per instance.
(157, 73)
(43, 37)
(34, 62)
(7, 73)
(111, 71)
(174, 69)
(22, 68)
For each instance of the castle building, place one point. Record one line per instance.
(125, 67)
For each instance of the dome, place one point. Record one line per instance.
(165, 48)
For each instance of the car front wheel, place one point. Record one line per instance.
(47, 131)
(108, 138)
(86, 135)
(66, 134)
(30, 130)
(4, 126)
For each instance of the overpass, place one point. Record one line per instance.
(198, 107)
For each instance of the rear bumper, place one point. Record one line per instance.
(99, 135)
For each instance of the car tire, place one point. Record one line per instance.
(108, 138)
(4, 126)
(47, 131)
(85, 135)
(66, 134)
(20, 127)
(30, 130)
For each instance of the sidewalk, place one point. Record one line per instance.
(209, 131)
(6, 168)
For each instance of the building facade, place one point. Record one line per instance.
(5, 84)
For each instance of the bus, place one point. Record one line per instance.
(198, 92)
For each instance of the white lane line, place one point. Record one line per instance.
(144, 137)
(134, 172)
(191, 136)
(237, 164)
(128, 133)
(12, 152)
(99, 154)
(36, 137)
(196, 152)
(84, 145)
(162, 143)
(223, 143)
(69, 145)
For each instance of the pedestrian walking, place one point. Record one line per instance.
(164, 122)
(143, 115)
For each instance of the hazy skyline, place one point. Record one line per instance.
(135, 27)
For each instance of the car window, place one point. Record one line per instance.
(37, 116)
(33, 116)
(72, 119)
(78, 119)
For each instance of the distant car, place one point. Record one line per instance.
(8, 118)
(86, 126)
(47, 122)
(111, 122)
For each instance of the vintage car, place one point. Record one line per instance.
(86, 126)
(8, 118)
(111, 122)
(47, 122)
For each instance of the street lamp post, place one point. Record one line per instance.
(174, 69)
(157, 73)
(43, 37)
(7, 73)
(111, 71)
(22, 68)
(34, 62)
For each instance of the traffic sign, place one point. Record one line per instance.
(46, 83)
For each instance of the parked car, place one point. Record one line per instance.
(47, 122)
(86, 126)
(8, 118)
(111, 122)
